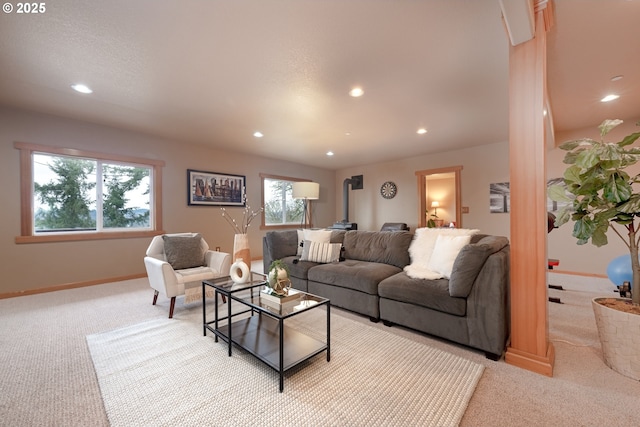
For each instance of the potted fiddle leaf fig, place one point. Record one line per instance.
(601, 195)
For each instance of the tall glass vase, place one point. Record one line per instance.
(241, 248)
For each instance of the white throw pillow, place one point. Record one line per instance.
(422, 246)
(320, 236)
(445, 252)
(321, 252)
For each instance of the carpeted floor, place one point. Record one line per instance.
(47, 377)
(163, 372)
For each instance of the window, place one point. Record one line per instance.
(280, 208)
(77, 195)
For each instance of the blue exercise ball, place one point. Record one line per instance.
(619, 270)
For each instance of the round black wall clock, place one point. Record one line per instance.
(388, 190)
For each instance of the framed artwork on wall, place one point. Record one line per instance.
(215, 189)
(500, 197)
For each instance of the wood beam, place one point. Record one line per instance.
(529, 347)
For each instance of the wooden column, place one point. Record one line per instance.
(530, 347)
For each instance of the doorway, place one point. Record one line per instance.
(440, 196)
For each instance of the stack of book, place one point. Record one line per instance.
(275, 300)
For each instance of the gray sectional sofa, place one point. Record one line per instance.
(470, 308)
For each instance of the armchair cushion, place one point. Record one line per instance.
(183, 251)
(196, 274)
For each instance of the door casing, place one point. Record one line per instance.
(422, 197)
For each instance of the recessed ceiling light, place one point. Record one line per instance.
(79, 87)
(616, 78)
(329, 153)
(347, 133)
(356, 92)
(258, 134)
(610, 97)
(421, 131)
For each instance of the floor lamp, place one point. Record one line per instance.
(308, 191)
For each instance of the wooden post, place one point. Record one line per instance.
(530, 347)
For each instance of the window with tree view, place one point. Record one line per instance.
(280, 208)
(69, 194)
(84, 194)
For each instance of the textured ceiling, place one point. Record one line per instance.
(213, 72)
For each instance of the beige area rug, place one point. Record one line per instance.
(164, 372)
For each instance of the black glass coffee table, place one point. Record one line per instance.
(258, 325)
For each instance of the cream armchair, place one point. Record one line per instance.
(182, 260)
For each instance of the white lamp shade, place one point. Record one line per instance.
(435, 204)
(306, 190)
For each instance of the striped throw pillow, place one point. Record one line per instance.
(320, 252)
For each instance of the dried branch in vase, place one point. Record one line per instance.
(247, 217)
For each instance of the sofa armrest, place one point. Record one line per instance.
(267, 258)
(470, 261)
(488, 304)
(278, 244)
(219, 261)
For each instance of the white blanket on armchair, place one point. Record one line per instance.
(192, 279)
(194, 293)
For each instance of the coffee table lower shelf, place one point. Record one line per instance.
(259, 335)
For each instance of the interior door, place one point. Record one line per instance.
(441, 186)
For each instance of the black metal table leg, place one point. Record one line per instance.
(281, 324)
(204, 313)
(229, 326)
(216, 313)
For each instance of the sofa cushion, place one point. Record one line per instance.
(320, 252)
(433, 294)
(378, 247)
(445, 252)
(421, 249)
(297, 268)
(361, 276)
(337, 236)
(183, 251)
(469, 262)
(281, 244)
(475, 238)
